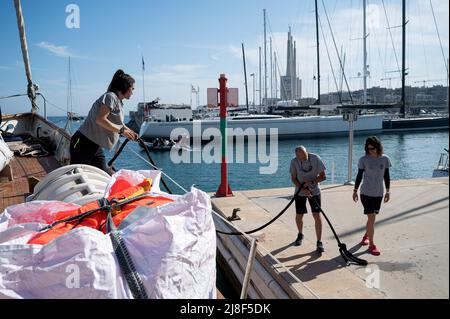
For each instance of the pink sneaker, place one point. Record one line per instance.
(374, 250)
(365, 241)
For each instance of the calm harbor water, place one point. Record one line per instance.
(413, 155)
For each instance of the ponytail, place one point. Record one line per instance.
(120, 82)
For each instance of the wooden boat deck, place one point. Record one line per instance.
(22, 168)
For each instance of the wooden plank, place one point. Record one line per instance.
(14, 192)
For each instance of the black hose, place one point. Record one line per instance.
(266, 224)
(342, 247)
(125, 260)
(118, 152)
(141, 142)
(346, 255)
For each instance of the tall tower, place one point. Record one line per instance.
(290, 86)
(288, 63)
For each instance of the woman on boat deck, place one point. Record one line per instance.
(373, 168)
(103, 125)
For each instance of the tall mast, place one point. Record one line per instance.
(271, 70)
(198, 96)
(318, 57)
(260, 78)
(275, 76)
(265, 58)
(143, 84)
(448, 74)
(364, 53)
(245, 77)
(68, 126)
(69, 93)
(31, 89)
(403, 102)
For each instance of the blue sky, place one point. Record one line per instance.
(193, 42)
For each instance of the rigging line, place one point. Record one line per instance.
(439, 36)
(274, 42)
(228, 222)
(390, 34)
(52, 104)
(378, 46)
(335, 46)
(76, 86)
(12, 96)
(19, 95)
(352, 27)
(45, 99)
(423, 41)
(331, 64)
(358, 47)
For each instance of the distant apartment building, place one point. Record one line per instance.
(414, 96)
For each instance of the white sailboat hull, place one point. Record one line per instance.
(287, 127)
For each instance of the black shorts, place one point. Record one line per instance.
(371, 204)
(300, 204)
(84, 151)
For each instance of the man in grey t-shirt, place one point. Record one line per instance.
(307, 171)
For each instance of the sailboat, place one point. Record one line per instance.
(71, 115)
(404, 121)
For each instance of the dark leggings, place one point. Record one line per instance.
(84, 151)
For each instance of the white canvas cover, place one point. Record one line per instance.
(173, 248)
(5, 154)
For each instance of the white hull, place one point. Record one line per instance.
(291, 126)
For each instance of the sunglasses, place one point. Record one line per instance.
(371, 148)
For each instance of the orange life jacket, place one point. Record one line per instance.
(120, 191)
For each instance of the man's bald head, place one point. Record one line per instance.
(301, 153)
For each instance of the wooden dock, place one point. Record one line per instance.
(412, 232)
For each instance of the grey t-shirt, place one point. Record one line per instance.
(374, 168)
(308, 171)
(98, 134)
